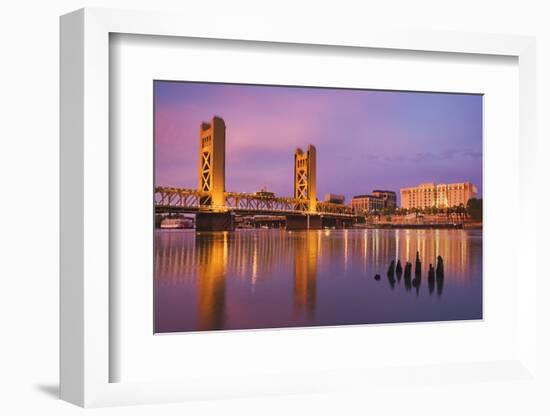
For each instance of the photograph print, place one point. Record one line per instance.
(292, 206)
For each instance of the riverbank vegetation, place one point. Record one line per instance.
(473, 211)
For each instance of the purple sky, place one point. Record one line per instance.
(364, 139)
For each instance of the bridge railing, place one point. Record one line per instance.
(254, 202)
(181, 198)
(178, 197)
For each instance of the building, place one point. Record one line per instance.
(362, 204)
(437, 195)
(335, 199)
(389, 197)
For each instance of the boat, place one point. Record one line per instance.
(176, 223)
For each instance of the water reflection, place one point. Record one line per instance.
(305, 272)
(274, 278)
(431, 279)
(212, 252)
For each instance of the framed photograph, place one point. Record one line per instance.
(278, 212)
(306, 239)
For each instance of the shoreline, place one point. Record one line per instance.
(425, 226)
(370, 227)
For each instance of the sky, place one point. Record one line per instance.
(365, 139)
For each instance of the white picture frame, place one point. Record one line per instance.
(85, 264)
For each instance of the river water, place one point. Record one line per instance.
(276, 278)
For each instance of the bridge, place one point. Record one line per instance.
(215, 208)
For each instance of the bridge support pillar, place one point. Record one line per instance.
(214, 221)
(303, 222)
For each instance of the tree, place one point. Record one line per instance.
(474, 209)
(462, 212)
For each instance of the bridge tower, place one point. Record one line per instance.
(212, 162)
(305, 189)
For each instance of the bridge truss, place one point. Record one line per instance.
(169, 199)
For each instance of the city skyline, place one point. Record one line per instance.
(365, 139)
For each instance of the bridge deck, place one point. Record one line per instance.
(192, 201)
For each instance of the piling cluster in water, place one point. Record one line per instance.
(396, 271)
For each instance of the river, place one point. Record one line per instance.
(275, 278)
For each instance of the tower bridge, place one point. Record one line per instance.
(215, 207)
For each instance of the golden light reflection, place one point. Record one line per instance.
(346, 250)
(249, 256)
(305, 272)
(211, 282)
(407, 244)
(397, 244)
(255, 262)
(365, 249)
